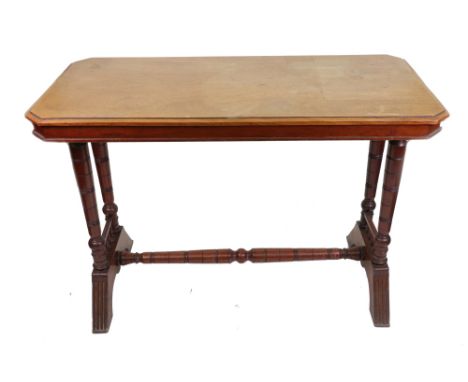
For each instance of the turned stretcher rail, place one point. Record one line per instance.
(255, 255)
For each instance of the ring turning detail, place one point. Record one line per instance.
(374, 98)
(111, 248)
(255, 255)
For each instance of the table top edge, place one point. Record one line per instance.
(239, 121)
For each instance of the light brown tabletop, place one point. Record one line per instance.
(239, 91)
(101, 100)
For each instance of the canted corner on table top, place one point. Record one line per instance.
(393, 57)
(82, 60)
(37, 120)
(33, 118)
(440, 117)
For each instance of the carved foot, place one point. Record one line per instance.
(379, 306)
(377, 275)
(103, 285)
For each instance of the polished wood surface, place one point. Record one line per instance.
(374, 162)
(254, 255)
(84, 177)
(377, 239)
(237, 98)
(106, 243)
(377, 98)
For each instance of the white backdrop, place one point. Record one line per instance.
(276, 322)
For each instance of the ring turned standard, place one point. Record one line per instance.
(100, 100)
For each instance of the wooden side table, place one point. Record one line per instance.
(100, 100)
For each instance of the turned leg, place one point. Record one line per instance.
(102, 277)
(376, 149)
(116, 239)
(359, 233)
(84, 177)
(101, 159)
(377, 269)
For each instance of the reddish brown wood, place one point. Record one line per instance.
(112, 239)
(101, 159)
(393, 170)
(376, 149)
(377, 268)
(376, 240)
(255, 255)
(379, 294)
(84, 178)
(103, 282)
(369, 228)
(322, 98)
(229, 132)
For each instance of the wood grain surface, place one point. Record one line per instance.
(223, 92)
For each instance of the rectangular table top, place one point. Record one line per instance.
(237, 98)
